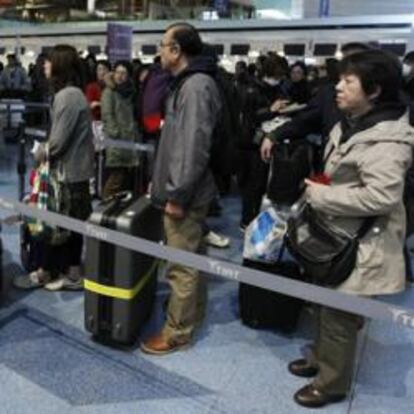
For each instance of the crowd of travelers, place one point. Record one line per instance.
(360, 108)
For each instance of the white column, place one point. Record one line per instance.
(297, 9)
(91, 6)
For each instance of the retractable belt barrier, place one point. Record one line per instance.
(114, 143)
(362, 306)
(36, 133)
(107, 142)
(20, 105)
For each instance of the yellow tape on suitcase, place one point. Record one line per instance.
(121, 293)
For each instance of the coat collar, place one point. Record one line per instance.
(387, 130)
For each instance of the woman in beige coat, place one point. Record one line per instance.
(367, 157)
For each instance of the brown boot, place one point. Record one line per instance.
(310, 397)
(159, 344)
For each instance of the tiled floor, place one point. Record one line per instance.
(48, 364)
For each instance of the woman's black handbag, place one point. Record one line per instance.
(328, 255)
(291, 164)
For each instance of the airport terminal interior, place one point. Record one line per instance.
(49, 362)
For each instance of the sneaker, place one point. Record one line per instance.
(216, 240)
(34, 280)
(64, 282)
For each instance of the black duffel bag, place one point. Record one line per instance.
(328, 255)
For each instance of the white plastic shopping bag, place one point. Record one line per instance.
(98, 136)
(264, 236)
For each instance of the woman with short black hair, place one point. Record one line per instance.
(367, 157)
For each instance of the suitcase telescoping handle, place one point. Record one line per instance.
(121, 197)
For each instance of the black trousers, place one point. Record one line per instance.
(76, 203)
(57, 259)
(252, 177)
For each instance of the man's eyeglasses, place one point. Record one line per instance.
(169, 44)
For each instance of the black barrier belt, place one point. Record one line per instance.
(362, 306)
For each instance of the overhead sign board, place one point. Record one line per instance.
(119, 42)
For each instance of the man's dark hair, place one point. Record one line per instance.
(126, 64)
(275, 66)
(187, 37)
(251, 69)
(354, 47)
(67, 68)
(409, 57)
(375, 68)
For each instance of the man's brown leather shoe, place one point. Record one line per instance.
(301, 368)
(160, 345)
(310, 397)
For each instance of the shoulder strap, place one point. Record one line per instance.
(366, 226)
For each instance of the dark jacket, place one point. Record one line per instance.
(181, 172)
(255, 100)
(118, 118)
(319, 117)
(299, 92)
(266, 95)
(248, 101)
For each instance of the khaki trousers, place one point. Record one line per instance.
(188, 298)
(334, 350)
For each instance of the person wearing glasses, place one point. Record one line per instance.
(182, 184)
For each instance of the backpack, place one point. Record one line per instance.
(223, 150)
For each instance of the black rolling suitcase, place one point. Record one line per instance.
(120, 284)
(265, 309)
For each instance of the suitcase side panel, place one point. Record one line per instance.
(261, 308)
(99, 264)
(125, 270)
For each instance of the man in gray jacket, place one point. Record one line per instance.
(183, 185)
